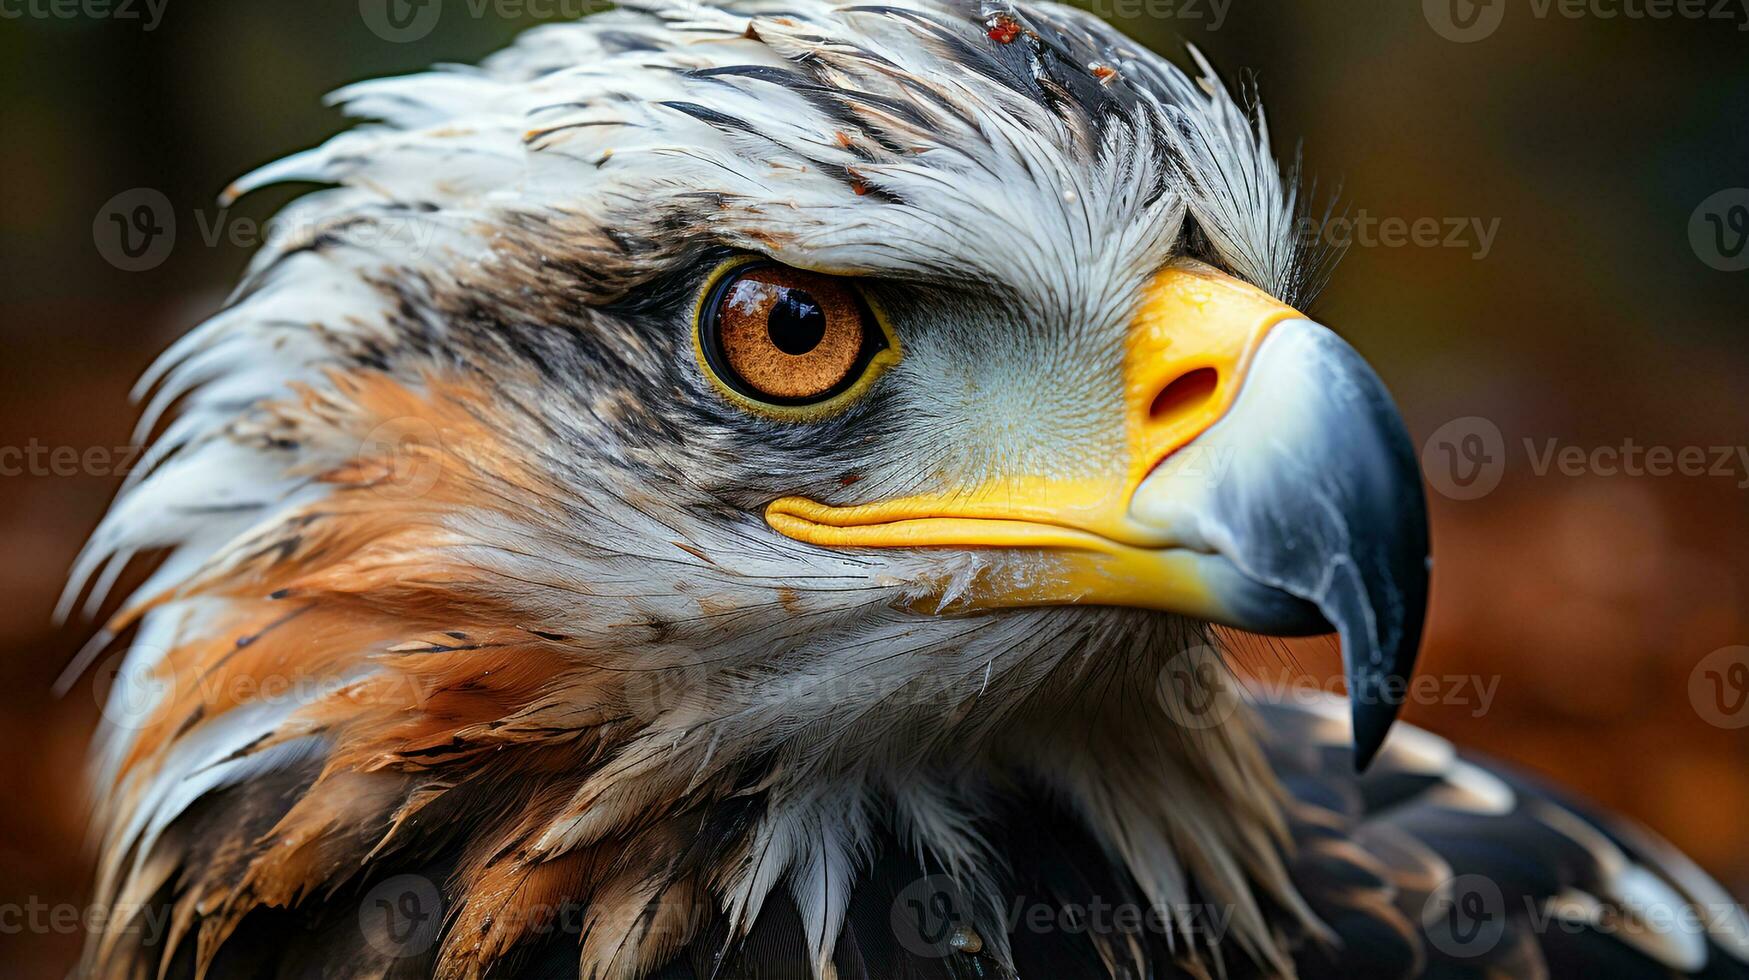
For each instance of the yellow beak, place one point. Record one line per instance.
(1266, 482)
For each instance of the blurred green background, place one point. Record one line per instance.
(1573, 310)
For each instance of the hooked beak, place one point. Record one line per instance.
(1268, 484)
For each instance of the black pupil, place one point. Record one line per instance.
(796, 323)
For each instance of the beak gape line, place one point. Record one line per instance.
(1270, 486)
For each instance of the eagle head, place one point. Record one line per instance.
(703, 443)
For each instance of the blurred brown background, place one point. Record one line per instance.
(1562, 302)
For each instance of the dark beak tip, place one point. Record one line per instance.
(1378, 685)
(1381, 642)
(1372, 723)
(1343, 526)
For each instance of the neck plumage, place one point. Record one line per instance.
(350, 694)
(522, 779)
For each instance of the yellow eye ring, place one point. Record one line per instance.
(787, 343)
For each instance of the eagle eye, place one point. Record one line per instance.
(789, 342)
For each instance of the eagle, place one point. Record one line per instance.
(767, 489)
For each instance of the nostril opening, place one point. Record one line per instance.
(1185, 394)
